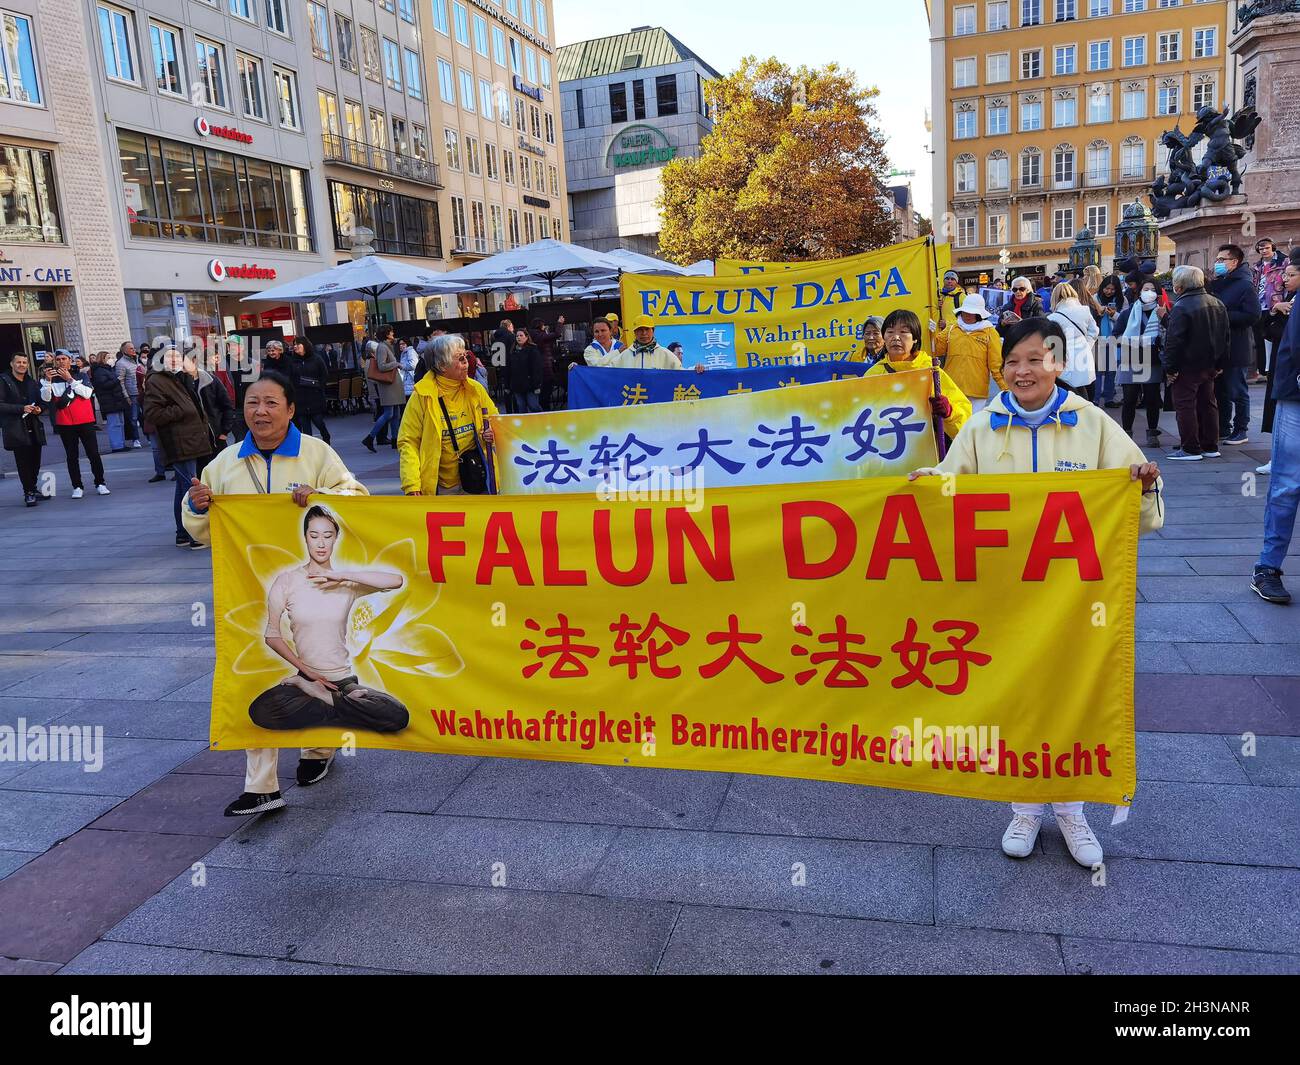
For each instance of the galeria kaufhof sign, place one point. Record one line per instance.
(637, 145)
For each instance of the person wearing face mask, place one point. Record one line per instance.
(1036, 426)
(1135, 350)
(114, 403)
(1235, 288)
(970, 351)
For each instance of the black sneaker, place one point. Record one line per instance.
(312, 770)
(249, 804)
(195, 545)
(369, 445)
(183, 540)
(156, 478)
(29, 498)
(1268, 585)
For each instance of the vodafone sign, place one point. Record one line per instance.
(204, 128)
(219, 271)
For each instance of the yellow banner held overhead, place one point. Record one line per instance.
(970, 637)
(775, 316)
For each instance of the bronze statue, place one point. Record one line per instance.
(1217, 176)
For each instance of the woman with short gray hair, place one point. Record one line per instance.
(1196, 351)
(445, 427)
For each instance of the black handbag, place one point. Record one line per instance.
(473, 470)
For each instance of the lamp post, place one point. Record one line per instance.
(1084, 252)
(1138, 234)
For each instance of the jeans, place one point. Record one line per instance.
(185, 471)
(1283, 484)
(1233, 396)
(133, 420)
(1105, 387)
(1197, 411)
(387, 416)
(527, 402)
(116, 430)
(83, 435)
(159, 470)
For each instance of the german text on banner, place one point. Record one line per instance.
(839, 430)
(813, 310)
(607, 386)
(971, 638)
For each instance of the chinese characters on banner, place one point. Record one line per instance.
(603, 386)
(849, 631)
(840, 430)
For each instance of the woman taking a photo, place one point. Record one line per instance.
(445, 425)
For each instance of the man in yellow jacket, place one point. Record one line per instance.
(902, 331)
(428, 452)
(970, 350)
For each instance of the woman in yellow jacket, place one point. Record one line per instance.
(430, 460)
(971, 350)
(902, 330)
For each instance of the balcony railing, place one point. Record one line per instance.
(380, 160)
(462, 245)
(1088, 178)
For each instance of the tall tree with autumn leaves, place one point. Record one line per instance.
(794, 169)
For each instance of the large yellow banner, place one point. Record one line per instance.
(774, 317)
(968, 637)
(724, 267)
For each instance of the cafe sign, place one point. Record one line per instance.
(638, 145)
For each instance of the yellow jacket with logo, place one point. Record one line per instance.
(420, 439)
(961, 408)
(971, 358)
(1078, 435)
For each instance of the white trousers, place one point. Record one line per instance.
(1035, 809)
(260, 767)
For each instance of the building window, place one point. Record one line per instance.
(406, 8)
(546, 72)
(549, 122)
(530, 234)
(999, 15)
(1099, 219)
(347, 42)
(1205, 43)
(1065, 59)
(999, 118)
(354, 121)
(963, 20)
(1098, 8)
(1031, 63)
(1031, 169)
(378, 129)
(277, 18)
(638, 99)
(503, 105)
(168, 62)
(29, 208)
(508, 166)
(1065, 111)
(329, 113)
(211, 71)
(666, 94)
(527, 6)
(540, 174)
(964, 125)
(966, 235)
(499, 45)
(370, 54)
(963, 73)
(1099, 55)
(1133, 102)
(1031, 12)
(250, 86)
(480, 227)
(490, 161)
(582, 113)
(514, 57)
(420, 142)
(1133, 157)
(480, 35)
(535, 120)
(998, 229)
(1131, 6)
(618, 103)
(1067, 10)
(997, 67)
(1099, 109)
(999, 172)
(446, 82)
(544, 31)
(1204, 94)
(1169, 47)
(520, 123)
(525, 174)
(1063, 175)
(452, 141)
(1031, 115)
(1175, 3)
(318, 20)
(461, 18)
(242, 9)
(1031, 227)
(440, 17)
(530, 65)
(402, 225)
(554, 172)
(1098, 164)
(458, 223)
(1063, 223)
(393, 66)
(18, 80)
(1168, 100)
(1135, 51)
(466, 90)
(239, 201)
(286, 97)
(512, 7)
(414, 84)
(498, 228)
(485, 99)
(964, 175)
(117, 40)
(399, 135)
(473, 162)
(512, 225)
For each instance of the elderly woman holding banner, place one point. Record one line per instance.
(902, 332)
(1037, 426)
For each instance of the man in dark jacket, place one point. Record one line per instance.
(1284, 482)
(172, 405)
(1234, 287)
(1196, 351)
(20, 423)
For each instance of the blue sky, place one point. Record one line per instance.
(886, 42)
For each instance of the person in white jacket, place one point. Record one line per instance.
(603, 344)
(1081, 334)
(646, 353)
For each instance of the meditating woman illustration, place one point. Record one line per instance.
(318, 599)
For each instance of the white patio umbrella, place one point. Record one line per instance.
(371, 277)
(703, 268)
(635, 263)
(543, 260)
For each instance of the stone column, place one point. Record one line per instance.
(1268, 48)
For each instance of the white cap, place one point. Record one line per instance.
(973, 304)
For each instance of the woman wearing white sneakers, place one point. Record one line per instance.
(1037, 426)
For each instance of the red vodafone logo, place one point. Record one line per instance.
(204, 128)
(219, 271)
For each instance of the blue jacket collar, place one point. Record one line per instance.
(289, 446)
(1068, 417)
